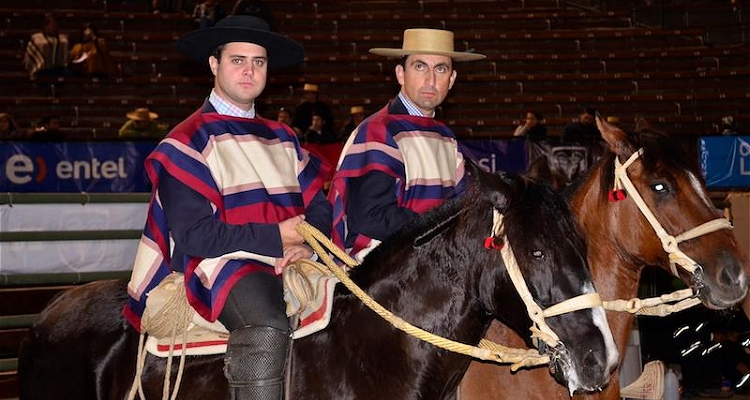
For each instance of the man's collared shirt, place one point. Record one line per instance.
(411, 108)
(224, 107)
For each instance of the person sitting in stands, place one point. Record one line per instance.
(142, 124)
(90, 56)
(284, 116)
(47, 51)
(207, 13)
(532, 128)
(8, 128)
(319, 131)
(310, 103)
(47, 129)
(584, 129)
(357, 114)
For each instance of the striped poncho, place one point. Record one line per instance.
(251, 171)
(420, 153)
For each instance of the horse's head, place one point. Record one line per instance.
(664, 216)
(538, 229)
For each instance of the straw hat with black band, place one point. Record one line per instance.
(200, 44)
(142, 114)
(428, 41)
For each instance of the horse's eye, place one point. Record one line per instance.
(659, 188)
(537, 254)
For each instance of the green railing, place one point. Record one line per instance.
(14, 281)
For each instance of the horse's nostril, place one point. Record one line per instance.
(730, 273)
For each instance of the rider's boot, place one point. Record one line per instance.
(255, 363)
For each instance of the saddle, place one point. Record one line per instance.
(308, 293)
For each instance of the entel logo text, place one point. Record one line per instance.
(21, 169)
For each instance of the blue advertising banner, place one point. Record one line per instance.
(508, 155)
(725, 161)
(96, 167)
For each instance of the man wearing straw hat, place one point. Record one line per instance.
(229, 189)
(400, 161)
(309, 105)
(141, 124)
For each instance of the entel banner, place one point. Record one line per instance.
(725, 161)
(94, 167)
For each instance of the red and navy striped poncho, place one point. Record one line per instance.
(251, 171)
(421, 153)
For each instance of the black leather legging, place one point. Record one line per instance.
(255, 300)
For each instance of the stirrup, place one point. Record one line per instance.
(648, 386)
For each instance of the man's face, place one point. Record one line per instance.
(425, 80)
(241, 73)
(51, 28)
(587, 119)
(54, 124)
(531, 120)
(284, 117)
(141, 124)
(317, 122)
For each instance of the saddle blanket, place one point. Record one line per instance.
(308, 292)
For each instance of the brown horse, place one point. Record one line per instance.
(621, 242)
(443, 272)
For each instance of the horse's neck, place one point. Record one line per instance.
(437, 296)
(615, 275)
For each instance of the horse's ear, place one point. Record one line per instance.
(616, 139)
(471, 167)
(641, 125)
(539, 170)
(493, 186)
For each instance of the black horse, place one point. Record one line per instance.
(434, 273)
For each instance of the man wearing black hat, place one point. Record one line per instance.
(229, 189)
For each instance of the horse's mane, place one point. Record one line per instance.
(526, 201)
(659, 149)
(420, 231)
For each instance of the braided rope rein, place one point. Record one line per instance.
(486, 350)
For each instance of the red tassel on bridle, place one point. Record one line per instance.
(617, 195)
(492, 243)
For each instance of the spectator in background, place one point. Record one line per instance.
(584, 129)
(141, 124)
(8, 128)
(533, 127)
(256, 8)
(47, 51)
(47, 129)
(318, 131)
(208, 13)
(356, 116)
(285, 117)
(167, 6)
(727, 126)
(90, 55)
(304, 111)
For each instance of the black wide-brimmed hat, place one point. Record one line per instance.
(282, 52)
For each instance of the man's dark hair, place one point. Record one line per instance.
(217, 51)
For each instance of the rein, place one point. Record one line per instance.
(486, 350)
(670, 244)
